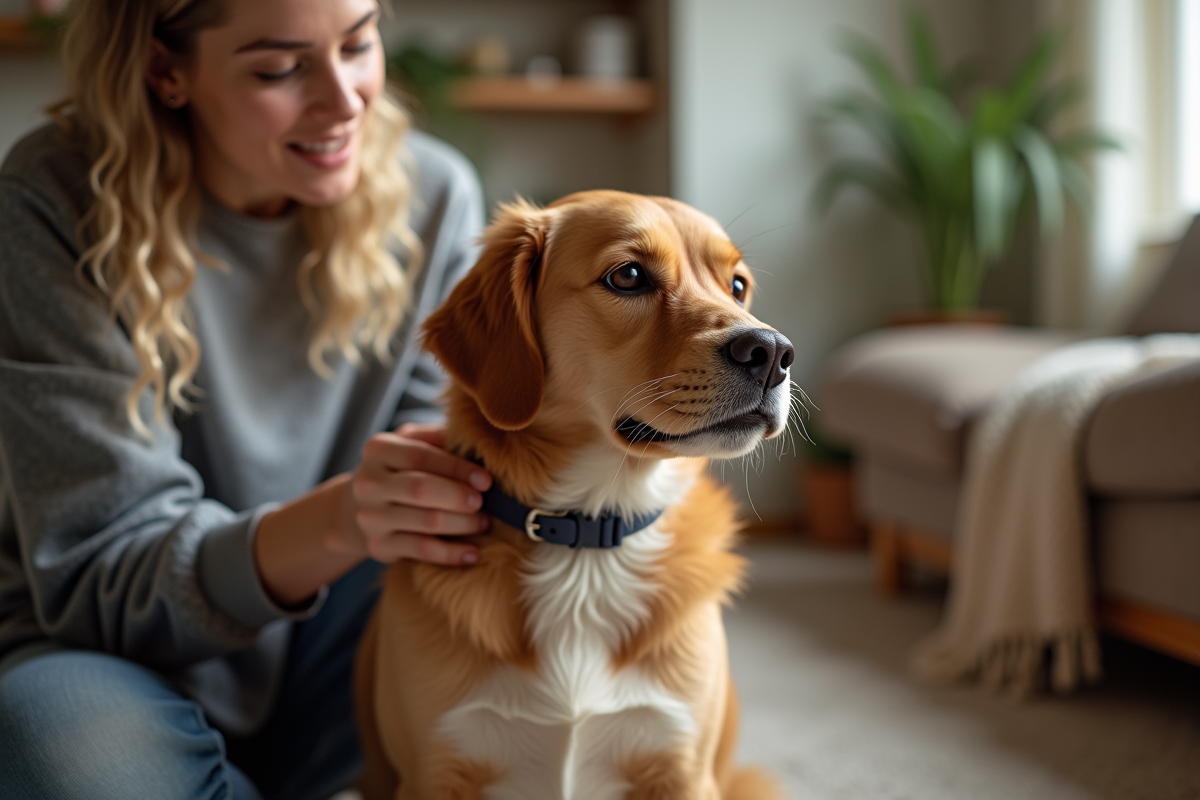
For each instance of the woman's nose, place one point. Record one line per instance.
(336, 94)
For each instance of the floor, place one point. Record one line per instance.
(829, 707)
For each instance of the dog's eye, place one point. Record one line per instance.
(738, 287)
(629, 278)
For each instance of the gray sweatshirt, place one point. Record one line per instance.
(143, 549)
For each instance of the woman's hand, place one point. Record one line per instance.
(405, 494)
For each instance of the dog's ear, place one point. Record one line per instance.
(484, 334)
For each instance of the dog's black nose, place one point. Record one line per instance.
(765, 354)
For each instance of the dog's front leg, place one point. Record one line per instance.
(379, 780)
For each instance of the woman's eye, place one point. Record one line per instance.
(628, 278)
(738, 287)
(277, 76)
(358, 49)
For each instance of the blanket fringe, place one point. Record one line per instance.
(1018, 666)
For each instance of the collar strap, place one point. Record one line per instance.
(570, 528)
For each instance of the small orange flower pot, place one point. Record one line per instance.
(829, 490)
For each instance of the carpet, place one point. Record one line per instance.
(828, 706)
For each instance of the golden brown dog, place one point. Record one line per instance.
(598, 349)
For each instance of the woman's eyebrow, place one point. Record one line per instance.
(280, 44)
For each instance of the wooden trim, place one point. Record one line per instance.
(577, 95)
(928, 549)
(894, 547)
(1170, 633)
(887, 557)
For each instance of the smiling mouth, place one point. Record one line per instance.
(323, 147)
(636, 432)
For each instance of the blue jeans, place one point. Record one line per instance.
(82, 724)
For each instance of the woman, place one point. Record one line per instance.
(211, 273)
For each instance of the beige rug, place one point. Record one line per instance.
(827, 704)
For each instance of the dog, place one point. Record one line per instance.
(600, 351)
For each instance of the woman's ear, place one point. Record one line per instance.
(484, 334)
(165, 77)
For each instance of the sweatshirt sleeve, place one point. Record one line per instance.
(110, 525)
(458, 215)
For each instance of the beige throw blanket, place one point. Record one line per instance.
(1022, 588)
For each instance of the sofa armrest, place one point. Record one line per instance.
(912, 392)
(1144, 438)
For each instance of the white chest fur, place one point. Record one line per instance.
(565, 731)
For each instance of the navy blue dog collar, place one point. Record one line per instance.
(570, 528)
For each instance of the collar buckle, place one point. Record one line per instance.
(531, 527)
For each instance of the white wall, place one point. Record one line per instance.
(27, 85)
(748, 77)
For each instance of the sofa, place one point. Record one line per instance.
(905, 400)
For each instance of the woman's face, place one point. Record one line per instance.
(278, 97)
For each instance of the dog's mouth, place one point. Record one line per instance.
(636, 432)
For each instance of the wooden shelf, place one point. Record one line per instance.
(15, 35)
(567, 95)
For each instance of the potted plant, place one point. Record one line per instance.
(426, 78)
(827, 485)
(964, 163)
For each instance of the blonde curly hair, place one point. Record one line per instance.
(140, 234)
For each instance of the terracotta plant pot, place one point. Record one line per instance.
(829, 489)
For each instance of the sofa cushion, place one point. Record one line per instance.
(911, 392)
(913, 497)
(1144, 437)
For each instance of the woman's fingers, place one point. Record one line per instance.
(434, 434)
(408, 491)
(384, 521)
(380, 486)
(419, 547)
(399, 453)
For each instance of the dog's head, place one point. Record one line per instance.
(622, 319)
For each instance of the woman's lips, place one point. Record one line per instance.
(328, 153)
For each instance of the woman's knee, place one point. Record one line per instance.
(77, 724)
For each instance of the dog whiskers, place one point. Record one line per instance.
(593, 397)
(638, 391)
(750, 498)
(745, 242)
(805, 401)
(638, 397)
(739, 216)
(625, 457)
(646, 395)
(791, 434)
(651, 402)
(648, 425)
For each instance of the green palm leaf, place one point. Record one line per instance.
(872, 62)
(924, 53)
(1023, 89)
(1042, 163)
(1083, 142)
(995, 194)
(1052, 102)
